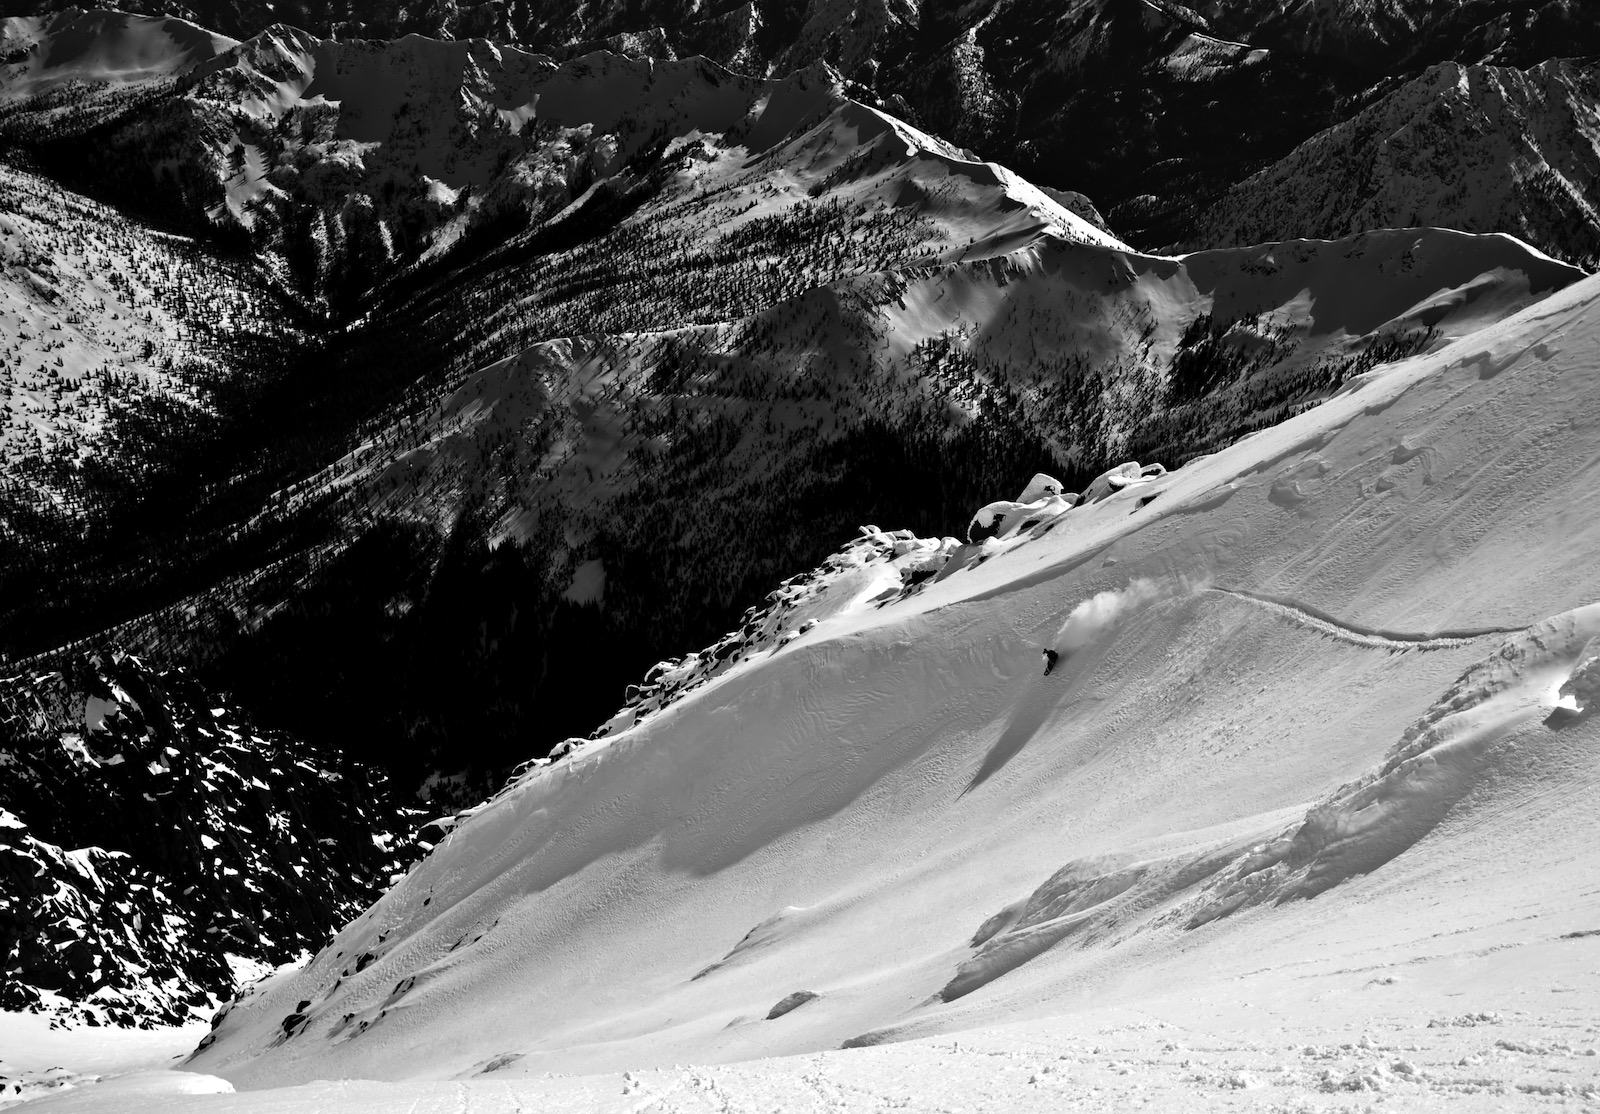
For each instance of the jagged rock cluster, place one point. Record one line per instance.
(89, 933)
(149, 832)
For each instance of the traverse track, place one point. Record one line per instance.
(1314, 618)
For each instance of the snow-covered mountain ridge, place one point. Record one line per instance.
(350, 163)
(1321, 707)
(1480, 148)
(51, 54)
(1152, 108)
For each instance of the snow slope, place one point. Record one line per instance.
(1311, 784)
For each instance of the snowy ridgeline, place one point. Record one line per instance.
(875, 568)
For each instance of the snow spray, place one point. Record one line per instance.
(1104, 610)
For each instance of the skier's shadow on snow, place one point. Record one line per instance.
(1043, 697)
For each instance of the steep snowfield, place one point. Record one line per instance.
(1305, 807)
(1480, 148)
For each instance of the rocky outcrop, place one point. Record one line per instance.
(151, 836)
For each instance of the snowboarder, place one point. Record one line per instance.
(1050, 657)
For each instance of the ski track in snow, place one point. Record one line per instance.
(1313, 618)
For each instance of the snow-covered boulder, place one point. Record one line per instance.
(1123, 475)
(1042, 486)
(995, 520)
(1042, 499)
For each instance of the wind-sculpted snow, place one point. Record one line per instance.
(1258, 792)
(1438, 761)
(1041, 500)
